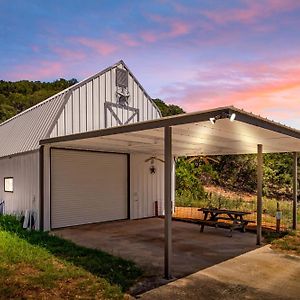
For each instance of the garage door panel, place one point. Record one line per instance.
(87, 187)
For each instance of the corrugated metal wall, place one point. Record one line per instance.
(85, 109)
(146, 188)
(25, 172)
(23, 132)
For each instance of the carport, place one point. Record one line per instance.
(219, 131)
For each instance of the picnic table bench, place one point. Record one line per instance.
(217, 217)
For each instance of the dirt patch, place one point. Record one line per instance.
(229, 193)
(24, 269)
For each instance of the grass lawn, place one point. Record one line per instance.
(37, 265)
(290, 243)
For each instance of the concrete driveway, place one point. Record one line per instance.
(143, 242)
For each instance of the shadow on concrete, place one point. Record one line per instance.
(142, 241)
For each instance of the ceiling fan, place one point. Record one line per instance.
(153, 158)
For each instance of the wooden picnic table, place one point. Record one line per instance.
(216, 217)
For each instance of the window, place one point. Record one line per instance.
(8, 184)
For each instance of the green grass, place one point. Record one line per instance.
(36, 262)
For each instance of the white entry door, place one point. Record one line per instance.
(87, 187)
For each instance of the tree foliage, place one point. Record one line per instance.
(18, 96)
(188, 182)
(168, 109)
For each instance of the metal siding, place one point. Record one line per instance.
(76, 111)
(82, 109)
(87, 187)
(88, 104)
(24, 169)
(90, 100)
(61, 124)
(146, 188)
(102, 100)
(23, 132)
(46, 188)
(131, 97)
(96, 104)
(68, 116)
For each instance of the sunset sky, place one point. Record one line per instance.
(197, 54)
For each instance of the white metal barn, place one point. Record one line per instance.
(82, 156)
(84, 186)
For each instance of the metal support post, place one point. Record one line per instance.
(168, 200)
(259, 193)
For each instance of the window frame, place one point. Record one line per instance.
(4, 186)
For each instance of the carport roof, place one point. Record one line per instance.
(192, 134)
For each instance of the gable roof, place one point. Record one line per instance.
(23, 132)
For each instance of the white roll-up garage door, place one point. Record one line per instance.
(87, 187)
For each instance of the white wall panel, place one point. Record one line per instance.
(82, 107)
(96, 103)
(75, 111)
(24, 169)
(89, 106)
(145, 188)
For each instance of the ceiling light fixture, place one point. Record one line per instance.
(223, 115)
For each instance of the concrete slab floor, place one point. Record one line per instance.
(142, 241)
(259, 274)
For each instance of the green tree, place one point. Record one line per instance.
(168, 109)
(15, 97)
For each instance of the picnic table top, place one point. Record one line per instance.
(224, 211)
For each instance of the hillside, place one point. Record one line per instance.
(18, 96)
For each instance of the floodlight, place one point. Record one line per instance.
(212, 120)
(232, 117)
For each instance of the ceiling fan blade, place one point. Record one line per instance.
(159, 159)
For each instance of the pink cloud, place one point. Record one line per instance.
(149, 37)
(36, 71)
(262, 88)
(35, 48)
(129, 40)
(168, 28)
(68, 54)
(101, 47)
(251, 12)
(178, 28)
